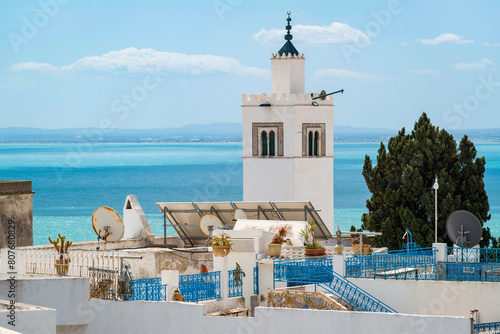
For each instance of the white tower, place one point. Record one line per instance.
(288, 139)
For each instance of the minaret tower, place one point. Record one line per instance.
(288, 138)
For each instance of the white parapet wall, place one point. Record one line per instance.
(77, 313)
(68, 295)
(26, 319)
(176, 317)
(446, 298)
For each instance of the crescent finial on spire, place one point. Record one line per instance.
(288, 27)
(288, 48)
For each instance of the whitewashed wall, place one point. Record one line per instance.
(76, 313)
(69, 296)
(437, 297)
(29, 319)
(149, 317)
(135, 221)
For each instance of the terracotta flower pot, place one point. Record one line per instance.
(315, 252)
(221, 251)
(355, 248)
(274, 249)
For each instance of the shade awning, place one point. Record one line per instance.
(185, 216)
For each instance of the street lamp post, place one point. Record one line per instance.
(436, 187)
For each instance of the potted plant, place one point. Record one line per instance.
(278, 240)
(221, 245)
(62, 260)
(355, 246)
(313, 248)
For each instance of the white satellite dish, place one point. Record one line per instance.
(209, 220)
(107, 224)
(239, 214)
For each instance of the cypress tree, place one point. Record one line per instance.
(401, 184)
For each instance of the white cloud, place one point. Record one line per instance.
(336, 74)
(403, 44)
(133, 60)
(475, 66)
(427, 72)
(335, 33)
(491, 44)
(33, 67)
(445, 39)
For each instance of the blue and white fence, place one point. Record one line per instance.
(487, 328)
(194, 288)
(234, 284)
(256, 279)
(372, 264)
(149, 289)
(320, 272)
(462, 264)
(199, 287)
(483, 255)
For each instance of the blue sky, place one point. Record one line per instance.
(157, 64)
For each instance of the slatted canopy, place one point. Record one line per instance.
(185, 217)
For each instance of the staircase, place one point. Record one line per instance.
(320, 272)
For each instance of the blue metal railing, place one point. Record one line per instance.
(198, 287)
(484, 255)
(256, 279)
(487, 327)
(235, 287)
(370, 264)
(320, 272)
(156, 280)
(410, 245)
(149, 289)
(463, 264)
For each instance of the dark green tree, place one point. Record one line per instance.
(401, 184)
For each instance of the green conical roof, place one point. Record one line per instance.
(288, 47)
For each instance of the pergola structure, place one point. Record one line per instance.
(185, 217)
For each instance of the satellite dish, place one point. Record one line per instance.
(322, 94)
(209, 220)
(464, 229)
(107, 224)
(239, 214)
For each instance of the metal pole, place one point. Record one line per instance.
(436, 187)
(436, 216)
(319, 97)
(165, 225)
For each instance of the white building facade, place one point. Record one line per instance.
(288, 138)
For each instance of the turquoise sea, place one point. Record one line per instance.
(72, 180)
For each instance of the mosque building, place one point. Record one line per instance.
(288, 138)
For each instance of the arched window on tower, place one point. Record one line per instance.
(267, 139)
(313, 140)
(310, 141)
(316, 142)
(264, 143)
(272, 144)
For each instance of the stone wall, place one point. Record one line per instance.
(16, 212)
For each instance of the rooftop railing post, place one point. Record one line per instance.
(165, 226)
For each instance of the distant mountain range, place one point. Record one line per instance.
(217, 132)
